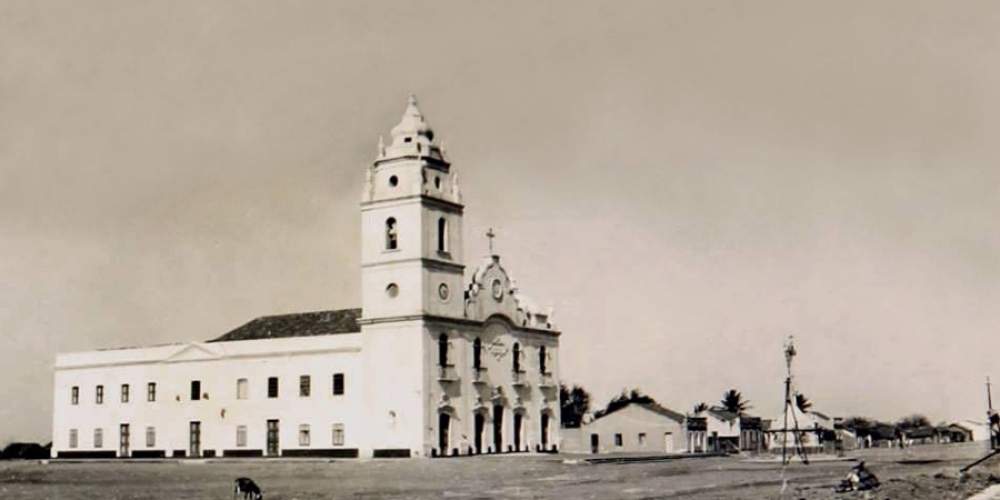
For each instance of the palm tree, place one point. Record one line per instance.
(732, 401)
(802, 402)
(700, 407)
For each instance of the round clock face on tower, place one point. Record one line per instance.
(443, 292)
(497, 290)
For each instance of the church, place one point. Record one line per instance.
(438, 361)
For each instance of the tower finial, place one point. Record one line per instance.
(412, 125)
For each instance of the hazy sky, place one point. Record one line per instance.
(686, 182)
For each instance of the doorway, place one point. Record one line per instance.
(498, 428)
(480, 422)
(668, 442)
(444, 431)
(272, 438)
(595, 443)
(123, 440)
(194, 448)
(518, 421)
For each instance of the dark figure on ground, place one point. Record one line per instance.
(859, 479)
(247, 489)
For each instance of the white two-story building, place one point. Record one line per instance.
(437, 362)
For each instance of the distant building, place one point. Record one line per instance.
(718, 430)
(434, 363)
(978, 431)
(638, 427)
(817, 431)
(634, 427)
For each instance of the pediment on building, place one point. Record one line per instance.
(493, 292)
(193, 351)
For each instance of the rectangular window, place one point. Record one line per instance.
(272, 387)
(242, 389)
(338, 384)
(618, 440)
(124, 393)
(642, 438)
(338, 434)
(304, 435)
(304, 388)
(98, 438)
(75, 395)
(150, 437)
(241, 436)
(195, 390)
(73, 439)
(99, 395)
(151, 391)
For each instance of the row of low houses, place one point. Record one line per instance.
(647, 427)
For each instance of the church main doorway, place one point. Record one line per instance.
(444, 431)
(498, 428)
(518, 421)
(477, 438)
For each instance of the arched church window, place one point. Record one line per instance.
(442, 235)
(517, 357)
(443, 349)
(391, 237)
(541, 359)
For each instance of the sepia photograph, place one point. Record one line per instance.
(560, 249)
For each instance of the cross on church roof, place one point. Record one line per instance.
(490, 234)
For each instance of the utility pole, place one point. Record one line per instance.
(800, 448)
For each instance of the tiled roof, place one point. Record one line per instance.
(653, 407)
(306, 324)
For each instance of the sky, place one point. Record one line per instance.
(687, 183)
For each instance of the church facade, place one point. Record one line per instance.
(438, 361)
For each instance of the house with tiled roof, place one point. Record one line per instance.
(440, 360)
(634, 427)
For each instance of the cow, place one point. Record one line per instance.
(248, 489)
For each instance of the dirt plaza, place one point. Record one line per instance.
(928, 472)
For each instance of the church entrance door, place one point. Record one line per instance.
(498, 428)
(477, 437)
(444, 431)
(518, 420)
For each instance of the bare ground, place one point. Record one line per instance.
(928, 472)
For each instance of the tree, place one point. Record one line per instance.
(802, 402)
(732, 401)
(574, 403)
(862, 424)
(700, 407)
(624, 399)
(915, 421)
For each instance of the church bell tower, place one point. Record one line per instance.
(411, 227)
(411, 276)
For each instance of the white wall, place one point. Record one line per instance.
(217, 366)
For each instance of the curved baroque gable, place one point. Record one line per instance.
(494, 292)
